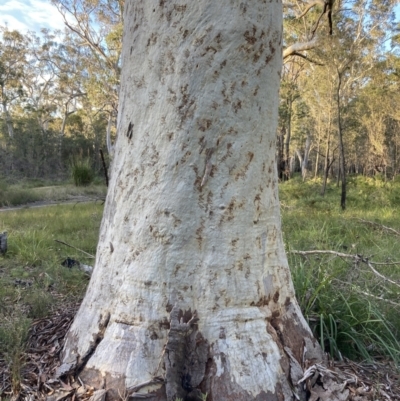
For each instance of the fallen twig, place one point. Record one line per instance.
(368, 294)
(376, 297)
(372, 223)
(357, 258)
(73, 247)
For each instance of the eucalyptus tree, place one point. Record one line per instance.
(54, 79)
(289, 93)
(13, 47)
(96, 25)
(191, 291)
(352, 54)
(347, 52)
(301, 22)
(303, 135)
(377, 106)
(39, 78)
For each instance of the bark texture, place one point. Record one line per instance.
(192, 221)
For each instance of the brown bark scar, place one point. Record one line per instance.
(185, 357)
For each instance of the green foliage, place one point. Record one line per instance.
(81, 171)
(351, 310)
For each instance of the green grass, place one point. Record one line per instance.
(351, 310)
(13, 336)
(15, 195)
(28, 191)
(32, 280)
(81, 171)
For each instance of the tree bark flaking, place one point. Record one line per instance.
(186, 354)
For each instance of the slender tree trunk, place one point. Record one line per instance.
(287, 139)
(110, 147)
(280, 162)
(318, 149)
(304, 164)
(62, 133)
(44, 152)
(342, 162)
(191, 281)
(327, 162)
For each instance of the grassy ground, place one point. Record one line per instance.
(23, 192)
(352, 310)
(32, 280)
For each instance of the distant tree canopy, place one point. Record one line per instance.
(59, 90)
(340, 90)
(339, 95)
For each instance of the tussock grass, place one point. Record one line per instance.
(13, 337)
(81, 171)
(32, 280)
(351, 310)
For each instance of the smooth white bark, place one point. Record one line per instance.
(192, 213)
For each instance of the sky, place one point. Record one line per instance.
(29, 15)
(25, 15)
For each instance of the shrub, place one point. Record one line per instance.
(81, 172)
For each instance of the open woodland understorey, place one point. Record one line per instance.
(339, 92)
(337, 157)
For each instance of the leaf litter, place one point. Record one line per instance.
(341, 381)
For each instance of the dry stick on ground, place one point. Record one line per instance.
(368, 294)
(376, 297)
(80, 250)
(372, 223)
(357, 258)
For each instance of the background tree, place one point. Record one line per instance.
(97, 26)
(345, 60)
(12, 60)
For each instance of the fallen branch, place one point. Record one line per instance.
(368, 294)
(73, 247)
(372, 223)
(327, 252)
(379, 274)
(356, 258)
(376, 297)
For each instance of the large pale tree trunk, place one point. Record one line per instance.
(191, 281)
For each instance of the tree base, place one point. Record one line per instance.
(191, 368)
